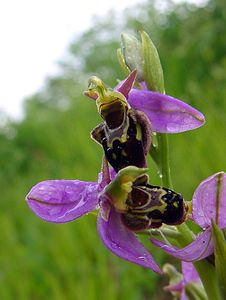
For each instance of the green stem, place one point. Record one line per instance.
(187, 235)
(154, 154)
(164, 168)
(163, 148)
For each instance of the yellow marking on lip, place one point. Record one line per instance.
(150, 209)
(123, 137)
(175, 204)
(139, 132)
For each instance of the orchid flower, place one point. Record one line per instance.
(62, 201)
(166, 114)
(208, 204)
(190, 282)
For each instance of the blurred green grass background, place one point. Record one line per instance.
(48, 261)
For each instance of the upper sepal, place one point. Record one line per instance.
(62, 201)
(166, 114)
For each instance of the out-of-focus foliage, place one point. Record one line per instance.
(46, 261)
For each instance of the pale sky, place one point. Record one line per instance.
(34, 35)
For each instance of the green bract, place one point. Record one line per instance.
(153, 74)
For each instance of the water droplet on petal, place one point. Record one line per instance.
(173, 127)
(143, 257)
(69, 189)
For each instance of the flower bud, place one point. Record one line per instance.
(142, 56)
(132, 54)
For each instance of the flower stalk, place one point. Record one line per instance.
(164, 165)
(153, 76)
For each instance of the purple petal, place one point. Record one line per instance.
(209, 201)
(124, 243)
(126, 85)
(179, 288)
(104, 177)
(189, 272)
(62, 200)
(167, 114)
(183, 296)
(176, 287)
(200, 248)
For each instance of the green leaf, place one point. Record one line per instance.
(220, 257)
(152, 69)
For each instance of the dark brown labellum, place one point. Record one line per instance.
(149, 206)
(135, 222)
(127, 143)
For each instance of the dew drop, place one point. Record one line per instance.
(142, 257)
(68, 189)
(173, 127)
